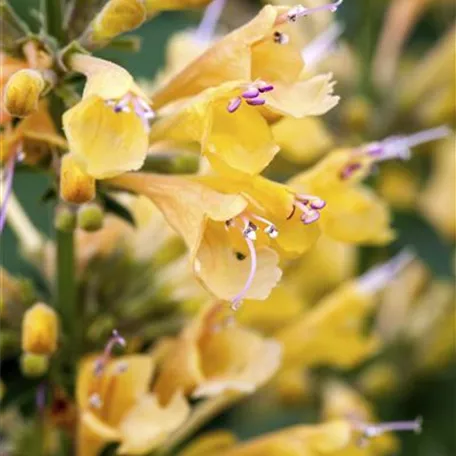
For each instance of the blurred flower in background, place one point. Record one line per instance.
(227, 227)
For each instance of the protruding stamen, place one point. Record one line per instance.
(7, 187)
(301, 11)
(374, 430)
(281, 38)
(256, 102)
(115, 339)
(236, 301)
(322, 46)
(206, 29)
(399, 146)
(310, 217)
(234, 104)
(122, 104)
(310, 206)
(380, 276)
(249, 231)
(348, 171)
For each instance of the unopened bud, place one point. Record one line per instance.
(34, 365)
(117, 17)
(65, 219)
(23, 91)
(90, 217)
(75, 185)
(40, 329)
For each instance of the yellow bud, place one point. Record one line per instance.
(75, 185)
(34, 365)
(23, 91)
(40, 327)
(117, 17)
(90, 217)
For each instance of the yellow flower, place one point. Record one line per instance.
(216, 231)
(354, 214)
(314, 339)
(115, 406)
(40, 330)
(107, 130)
(437, 201)
(210, 358)
(230, 121)
(75, 185)
(263, 49)
(312, 440)
(340, 401)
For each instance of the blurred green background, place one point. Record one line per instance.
(433, 398)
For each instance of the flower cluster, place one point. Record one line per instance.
(224, 231)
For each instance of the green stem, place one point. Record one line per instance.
(53, 14)
(66, 287)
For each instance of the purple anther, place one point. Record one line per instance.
(256, 102)
(310, 217)
(266, 88)
(234, 104)
(317, 204)
(348, 171)
(251, 92)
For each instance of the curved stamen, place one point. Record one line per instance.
(206, 29)
(236, 301)
(379, 277)
(322, 46)
(301, 11)
(6, 189)
(116, 339)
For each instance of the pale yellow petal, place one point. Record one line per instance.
(147, 424)
(107, 143)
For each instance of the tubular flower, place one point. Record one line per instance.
(230, 121)
(218, 232)
(314, 339)
(115, 406)
(211, 358)
(107, 130)
(263, 49)
(312, 440)
(40, 328)
(354, 214)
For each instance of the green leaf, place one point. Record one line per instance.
(414, 231)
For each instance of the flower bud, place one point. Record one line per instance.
(90, 217)
(34, 365)
(40, 327)
(65, 219)
(23, 91)
(117, 17)
(75, 185)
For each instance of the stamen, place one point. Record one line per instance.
(301, 11)
(374, 430)
(115, 339)
(348, 171)
(310, 217)
(7, 187)
(234, 104)
(206, 28)
(256, 102)
(322, 46)
(270, 229)
(264, 87)
(399, 146)
(237, 300)
(380, 276)
(310, 207)
(122, 104)
(251, 92)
